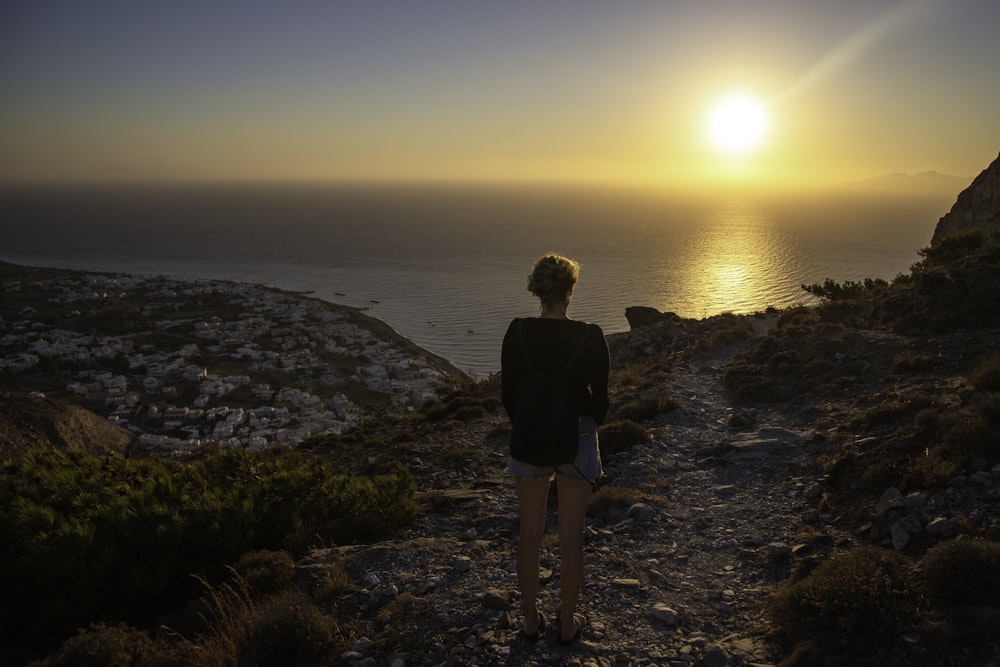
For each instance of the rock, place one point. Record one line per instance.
(977, 207)
(914, 501)
(889, 500)
(641, 512)
(958, 481)
(993, 531)
(800, 550)
(981, 478)
(715, 656)
(461, 563)
(664, 614)
(626, 583)
(940, 527)
(777, 550)
(643, 316)
(900, 536)
(363, 644)
(496, 599)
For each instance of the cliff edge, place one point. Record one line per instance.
(977, 207)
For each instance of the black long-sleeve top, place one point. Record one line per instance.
(550, 343)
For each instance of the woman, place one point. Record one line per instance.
(549, 341)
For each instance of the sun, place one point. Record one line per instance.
(737, 125)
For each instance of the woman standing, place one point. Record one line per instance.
(550, 341)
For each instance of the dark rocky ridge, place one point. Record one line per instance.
(977, 207)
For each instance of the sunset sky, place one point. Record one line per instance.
(557, 90)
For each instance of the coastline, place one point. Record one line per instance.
(184, 363)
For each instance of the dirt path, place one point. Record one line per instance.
(678, 574)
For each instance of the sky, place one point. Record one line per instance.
(457, 90)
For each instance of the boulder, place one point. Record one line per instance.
(644, 316)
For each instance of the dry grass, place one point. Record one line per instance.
(610, 503)
(647, 407)
(986, 377)
(619, 436)
(741, 328)
(287, 628)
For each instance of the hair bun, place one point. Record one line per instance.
(553, 278)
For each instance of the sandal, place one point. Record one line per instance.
(533, 637)
(579, 621)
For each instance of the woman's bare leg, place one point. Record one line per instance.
(532, 499)
(574, 495)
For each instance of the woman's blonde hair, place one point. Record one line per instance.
(553, 278)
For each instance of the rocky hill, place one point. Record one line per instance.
(977, 207)
(33, 420)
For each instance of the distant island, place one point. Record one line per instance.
(925, 181)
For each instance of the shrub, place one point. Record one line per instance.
(863, 594)
(928, 471)
(289, 629)
(741, 328)
(849, 289)
(962, 572)
(102, 645)
(969, 436)
(619, 436)
(115, 538)
(266, 572)
(986, 377)
(950, 249)
(749, 384)
(647, 407)
(890, 409)
(610, 502)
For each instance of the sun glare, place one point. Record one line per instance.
(737, 125)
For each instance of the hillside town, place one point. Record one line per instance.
(185, 363)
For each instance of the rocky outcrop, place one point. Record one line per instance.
(643, 316)
(977, 207)
(34, 420)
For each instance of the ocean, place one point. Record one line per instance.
(446, 266)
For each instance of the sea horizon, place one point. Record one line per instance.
(446, 266)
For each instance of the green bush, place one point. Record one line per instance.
(849, 289)
(950, 249)
(866, 594)
(963, 572)
(87, 538)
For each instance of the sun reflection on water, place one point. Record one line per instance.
(738, 264)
